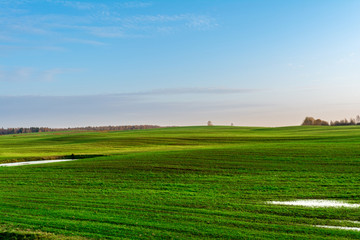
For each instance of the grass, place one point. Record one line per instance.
(181, 183)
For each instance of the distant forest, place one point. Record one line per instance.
(318, 122)
(4, 131)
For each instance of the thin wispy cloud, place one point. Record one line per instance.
(36, 48)
(110, 109)
(91, 21)
(295, 66)
(106, 32)
(5, 38)
(103, 6)
(199, 22)
(77, 5)
(175, 91)
(347, 58)
(135, 4)
(14, 3)
(84, 41)
(28, 74)
(51, 73)
(31, 29)
(139, 56)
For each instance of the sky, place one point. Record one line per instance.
(179, 62)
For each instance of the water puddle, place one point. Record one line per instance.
(323, 203)
(34, 162)
(316, 203)
(338, 227)
(356, 222)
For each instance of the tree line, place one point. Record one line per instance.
(4, 131)
(308, 121)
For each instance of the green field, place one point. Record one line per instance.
(180, 183)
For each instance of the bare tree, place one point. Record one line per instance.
(209, 123)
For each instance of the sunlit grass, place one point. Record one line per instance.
(183, 183)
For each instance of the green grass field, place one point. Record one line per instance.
(180, 183)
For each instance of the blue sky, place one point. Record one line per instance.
(248, 62)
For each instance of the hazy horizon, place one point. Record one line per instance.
(178, 63)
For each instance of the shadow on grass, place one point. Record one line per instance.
(21, 236)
